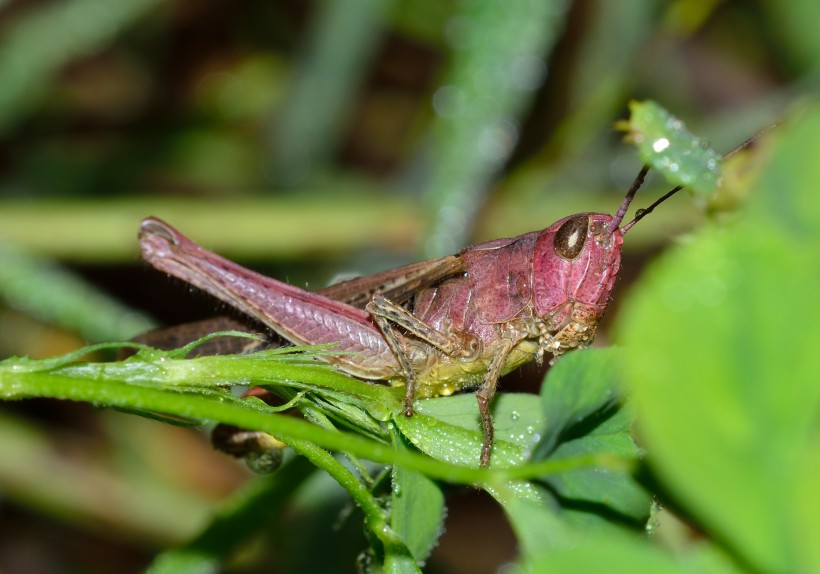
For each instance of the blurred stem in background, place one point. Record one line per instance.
(29, 62)
(340, 46)
(498, 62)
(52, 294)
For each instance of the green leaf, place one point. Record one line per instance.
(621, 553)
(578, 386)
(449, 428)
(576, 416)
(795, 209)
(416, 509)
(398, 563)
(666, 145)
(580, 400)
(533, 513)
(722, 339)
(613, 493)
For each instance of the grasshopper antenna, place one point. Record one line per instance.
(641, 213)
(636, 185)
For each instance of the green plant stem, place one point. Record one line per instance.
(375, 517)
(298, 434)
(120, 395)
(604, 461)
(17, 383)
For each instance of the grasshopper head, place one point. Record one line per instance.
(575, 263)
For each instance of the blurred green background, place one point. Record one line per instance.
(310, 139)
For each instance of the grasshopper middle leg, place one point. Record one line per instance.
(485, 395)
(389, 315)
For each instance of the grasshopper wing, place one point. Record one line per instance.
(398, 285)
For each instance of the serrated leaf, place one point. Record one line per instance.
(666, 145)
(578, 386)
(580, 400)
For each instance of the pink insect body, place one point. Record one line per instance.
(436, 326)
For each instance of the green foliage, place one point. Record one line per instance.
(446, 429)
(725, 383)
(496, 66)
(416, 508)
(728, 412)
(33, 53)
(362, 131)
(723, 374)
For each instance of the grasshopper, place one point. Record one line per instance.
(437, 326)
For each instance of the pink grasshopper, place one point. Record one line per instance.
(437, 326)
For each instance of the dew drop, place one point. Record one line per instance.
(266, 461)
(660, 144)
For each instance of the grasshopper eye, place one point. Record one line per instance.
(571, 236)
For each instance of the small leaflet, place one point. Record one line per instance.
(667, 146)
